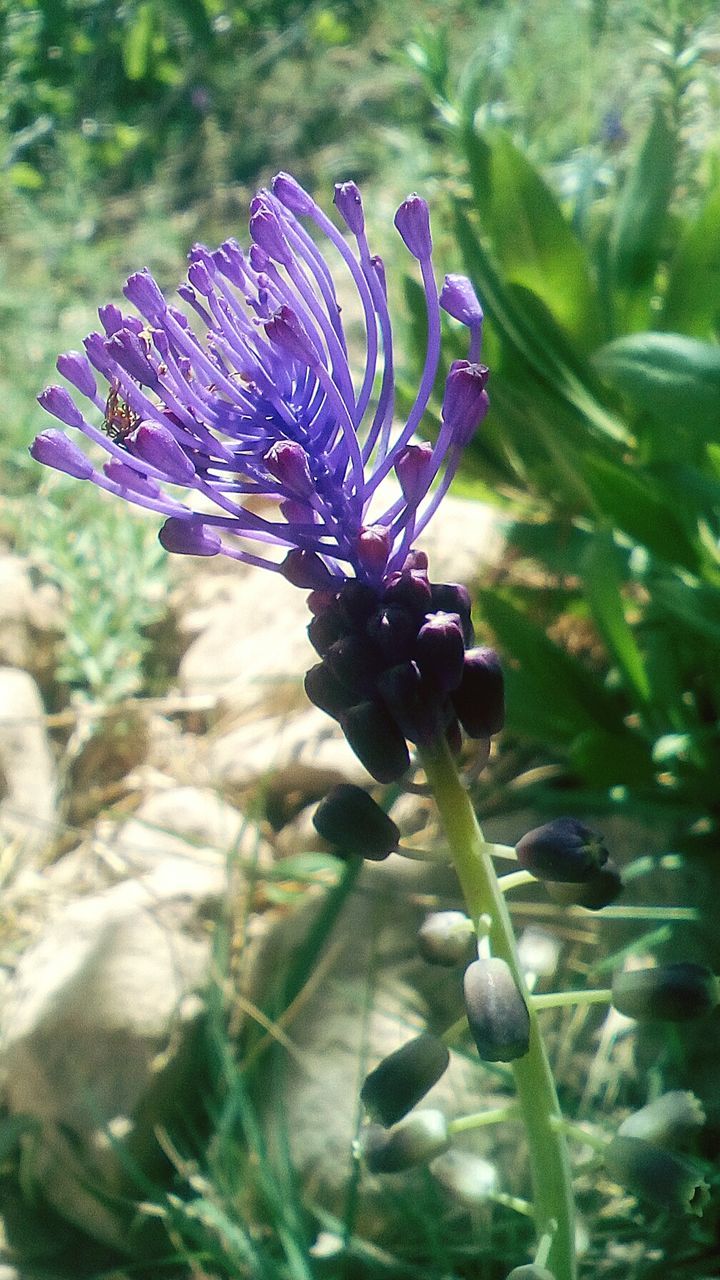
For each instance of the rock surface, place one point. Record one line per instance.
(28, 782)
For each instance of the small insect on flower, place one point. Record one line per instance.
(120, 420)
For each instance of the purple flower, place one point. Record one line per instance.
(263, 403)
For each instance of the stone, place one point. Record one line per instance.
(28, 781)
(97, 1033)
(190, 823)
(30, 619)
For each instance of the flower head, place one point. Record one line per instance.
(255, 400)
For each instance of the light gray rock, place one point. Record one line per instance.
(97, 1028)
(28, 783)
(189, 823)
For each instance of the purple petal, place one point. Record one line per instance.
(74, 366)
(413, 222)
(157, 445)
(459, 299)
(291, 194)
(189, 537)
(465, 402)
(57, 401)
(144, 293)
(348, 202)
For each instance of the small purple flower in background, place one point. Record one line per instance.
(263, 406)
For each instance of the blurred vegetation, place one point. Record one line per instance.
(571, 154)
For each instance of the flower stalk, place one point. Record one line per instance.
(554, 1204)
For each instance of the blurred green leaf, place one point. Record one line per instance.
(640, 217)
(137, 45)
(696, 606)
(566, 696)
(603, 583)
(607, 759)
(692, 294)
(644, 513)
(535, 245)
(672, 377)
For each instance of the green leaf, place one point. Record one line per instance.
(640, 217)
(612, 759)
(674, 379)
(568, 699)
(603, 586)
(642, 512)
(534, 243)
(692, 295)
(137, 45)
(697, 607)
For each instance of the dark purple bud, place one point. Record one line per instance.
(291, 194)
(459, 299)
(413, 705)
(671, 1120)
(348, 202)
(286, 332)
(57, 401)
(496, 1011)
(414, 470)
(319, 600)
(355, 662)
(465, 402)
(394, 631)
(287, 461)
(453, 597)
(306, 570)
(399, 1082)
(325, 692)
(129, 478)
(189, 537)
(357, 602)
(603, 886)
(326, 628)
(416, 561)
(447, 938)
(74, 366)
(670, 992)
(665, 1179)
(411, 589)
(156, 445)
(54, 449)
(373, 549)
(143, 292)
(440, 651)
(414, 1141)
(126, 348)
(413, 222)
(266, 231)
(480, 697)
(350, 819)
(376, 740)
(564, 849)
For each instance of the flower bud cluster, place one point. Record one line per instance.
(396, 667)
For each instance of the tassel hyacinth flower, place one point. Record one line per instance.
(237, 420)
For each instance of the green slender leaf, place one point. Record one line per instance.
(692, 295)
(535, 245)
(137, 45)
(641, 511)
(567, 695)
(673, 378)
(697, 607)
(612, 759)
(640, 218)
(603, 587)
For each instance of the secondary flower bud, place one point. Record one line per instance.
(469, 1178)
(399, 1082)
(189, 537)
(496, 1011)
(349, 818)
(415, 1140)
(326, 692)
(479, 699)
(465, 402)
(601, 888)
(413, 222)
(563, 850)
(54, 449)
(447, 938)
(670, 1120)
(377, 741)
(459, 299)
(668, 1180)
(440, 651)
(348, 203)
(670, 992)
(414, 706)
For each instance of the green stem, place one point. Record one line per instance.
(561, 999)
(549, 1160)
(479, 1119)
